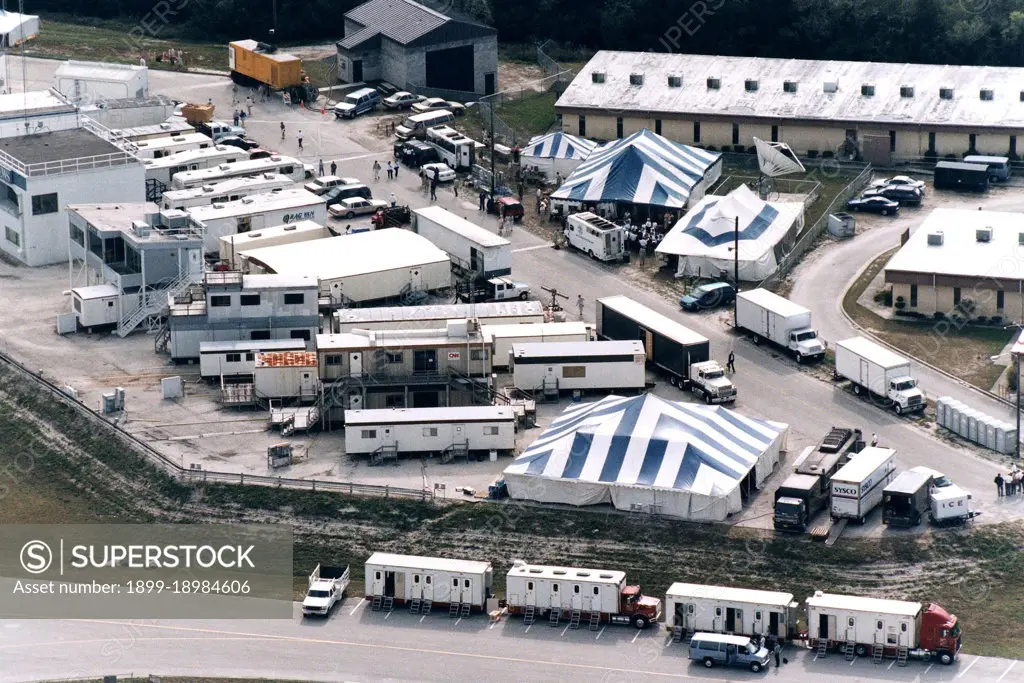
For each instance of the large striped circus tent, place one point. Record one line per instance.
(556, 153)
(646, 453)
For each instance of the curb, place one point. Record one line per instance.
(842, 309)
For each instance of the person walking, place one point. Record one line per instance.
(241, 117)
(483, 200)
(248, 104)
(396, 168)
(391, 172)
(334, 168)
(643, 249)
(778, 654)
(320, 169)
(376, 170)
(501, 223)
(299, 138)
(999, 484)
(393, 199)
(234, 117)
(730, 364)
(455, 187)
(282, 130)
(1018, 481)
(540, 198)
(580, 304)
(874, 439)
(433, 189)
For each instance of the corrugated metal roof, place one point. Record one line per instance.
(403, 21)
(889, 103)
(359, 37)
(286, 359)
(583, 575)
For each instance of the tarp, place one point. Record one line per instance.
(646, 453)
(643, 168)
(556, 153)
(704, 238)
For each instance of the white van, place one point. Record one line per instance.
(357, 102)
(416, 126)
(718, 648)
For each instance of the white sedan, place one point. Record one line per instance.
(444, 172)
(436, 104)
(900, 181)
(402, 100)
(355, 206)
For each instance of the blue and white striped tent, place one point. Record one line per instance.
(643, 168)
(556, 153)
(686, 460)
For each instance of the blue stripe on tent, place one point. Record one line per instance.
(734, 450)
(660, 195)
(693, 458)
(747, 428)
(755, 229)
(652, 462)
(538, 462)
(581, 444)
(620, 442)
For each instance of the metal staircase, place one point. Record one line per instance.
(456, 450)
(574, 620)
(877, 653)
(389, 603)
(453, 609)
(426, 607)
(415, 605)
(902, 655)
(822, 647)
(384, 454)
(465, 610)
(595, 621)
(678, 634)
(153, 305)
(162, 339)
(376, 603)
(529, 615)
(554, 616)
(850, 650)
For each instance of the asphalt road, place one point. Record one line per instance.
(356, 644)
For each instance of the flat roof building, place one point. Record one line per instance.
(883, 111)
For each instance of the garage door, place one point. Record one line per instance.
(451, 69)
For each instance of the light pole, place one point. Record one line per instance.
(477, 103)
(735, 269)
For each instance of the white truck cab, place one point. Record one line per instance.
(804, 343)
(505, 289)
(708, 382)
(903, 391)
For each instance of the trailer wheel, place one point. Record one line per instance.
(856, 389)
(860, 650)
(757, 339)
(708, 662)
(640, 622)
(945, 658)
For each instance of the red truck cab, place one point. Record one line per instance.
(940, 633)
(637, 609)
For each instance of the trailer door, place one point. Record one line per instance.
(773, 623)
(355, 364)
(467, 591)
(530, 596)
(684, 616)
(851, 629)
(388, 437)
(904, 634)
(554, 597)
(428, 587)
(823, 630)
(758, 622)
(576, 599)
(377, 583)
(416, 593)
(592, 601)
(459, 435)
(647, 337)
(865, 374)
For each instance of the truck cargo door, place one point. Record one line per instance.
(467, 591)
(428, 587)
(648, 340)
(865, 375)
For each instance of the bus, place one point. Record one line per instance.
(998, 167)
(224, 191)
(454, 148)
(157, 148)
(416, 126)
(249, 168)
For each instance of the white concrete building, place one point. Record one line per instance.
(52, 156)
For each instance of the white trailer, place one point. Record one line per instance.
(257, 212)
(436, 315)
(152, 131)
(950, 505)
(163, 169)
(224, 191)
(428, 582)
(244, 168)
(770, 316)
(691, 607)
(238, 358)
(558, 366)
(857, 488)
(595, 236)
(888, 628)
(357, 269)
(157, 148)
(303, 231)
(96, 305)
(473, 249)
(549, 592)
(877, 371)
(503, 337)
(286, 374)
(87, 82)
(430, 430)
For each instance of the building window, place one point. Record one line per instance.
(478, 354)
(675, 81)
(78, 235)
(945, 93)
(696, 131)
(597, 77)
(735, 133)
(972, 141)
(394, 401)
(294, 299)
(956, 296)
(892, 141)
(867, 90)
(1000, 300)
(618, 127)
(574, 371)
(913, 296)
(393, 358)
(249, 299)
(987, 95)
(12, 236)
(368, 433)
(259, 335)
(789, 86)
(233, 358)
(430, 431)
(332, 359)
(220, 300)
(907, 91)
(44, 203)
(750, 85)
(583, 126)
(931, 142)
(636, 79)
(775, 133)
(657, 126)
(491, 431)
(250, 356)
(714, 83)
(300, 334)
(576, 589)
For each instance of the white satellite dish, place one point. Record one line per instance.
(776, 159)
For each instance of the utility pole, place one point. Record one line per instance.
(736, 270)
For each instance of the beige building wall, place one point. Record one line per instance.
(931, 300)
(803, 138)
(995, 145)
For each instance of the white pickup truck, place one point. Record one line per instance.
(708, 382)
(327, 586)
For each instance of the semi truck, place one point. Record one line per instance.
(878, 372)
(327, 586)
(882, 628)
(709, 383)
(856, 489)
(254, 64)
(805, 493)
(670, 347)
(774, 318)
(584, 596)
(906, 500)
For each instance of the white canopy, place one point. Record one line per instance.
(556, 153)
(704, 238)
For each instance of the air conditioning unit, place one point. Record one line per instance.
(1020, 238)
(224, 167)
(248, 200)
(830, 86)
(983, 234)
(207, 188)
(178, 138)
(141, 228)
(935, 239)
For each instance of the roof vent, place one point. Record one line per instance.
(935, 239)
(207, 188)
(750, 85)
(165, 126)
(218, 206)
(945, 93)
(248, 200)
(789, 86)
(907, 91)
(675, 81)
(178, 138)
(289, 228)
(987, 95)
(830, 86)
(275, 158)
(867, 90)
(597, 77)
(983, 234)
(636, 79)
(224, 167)
(714, 83)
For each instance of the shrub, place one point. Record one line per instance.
(812, 154)
(939, 315)
(828, 154)
(931, 154)
(901, 303)
(884, 297)
(996, 320)
(1011, 380)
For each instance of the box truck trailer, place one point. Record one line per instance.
(474, 250)
(906, 500)
(669, 347)
(856, 489)
(720, 609)
(503, 337)
(769, 316)
(462, 586)
(957, 175)
(560, 366)
(805, 493)
(878, 372)
(882, 628)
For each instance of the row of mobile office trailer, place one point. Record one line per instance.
(553, 367)
(257, 212)
(430, 430)
(224, 191)
(238, 358)
(244, 168)
(302, 231)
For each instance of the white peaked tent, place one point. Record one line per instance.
(556, 153)
(642, 452)
(704, 238)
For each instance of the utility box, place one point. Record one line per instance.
(842, 225)
(172, 387)
(279, 455)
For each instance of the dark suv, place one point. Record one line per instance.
(711, 295)
(336, 194)
(416, 153)
(906, 196)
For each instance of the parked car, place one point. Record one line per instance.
(708, 296)
(260, 153)
(729, 650)
(444, 172)
(401, 100)
(886, 207)
(436, 103)
(900, 181)
(903, 194)
(416, 153)
(939, 480)
(510, 207)
(355, 206)
(336, 194)
(324, 183)
(239, 142)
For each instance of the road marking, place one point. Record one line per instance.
(458, 621)
(600, 632)
(564, 630)
(1012, 664)
(635, 637)
(422, 618)
(493, 624)
(533, 248)
(358, 605)
(387, 616)
(528, 628)
(927, 670)
(890, 665)
(968, 667)
(853, 661)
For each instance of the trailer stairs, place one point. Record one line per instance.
(530, 615)
(419, 606)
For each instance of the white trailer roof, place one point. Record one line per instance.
(729, 594)
(283, 281)
(543, 571)
(498, 309)
(252, 345)
(96, 291)
(268, 181)
(189, 155)
(398, 339)
(288, 198)
(652, 320)
(239, 239)
(951, 492)
(576, 349)
(773, 302)
(172, 140)
(265, 165)
(855, 603)
(440, 564)
(103, 71)
(390, 416)
(166, 128)
(873, 351)
(462, 227)
(862, 464)
(348, 255)
(908, 482)
(489, 332)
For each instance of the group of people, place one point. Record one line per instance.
(642, 239)
(321, 169)
(774, 646)
(1012, 484)
(392, 170)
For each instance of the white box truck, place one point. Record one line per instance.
(502, 337)
(327, 586)
(878, 372)
(856, 489)
(769, 316)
